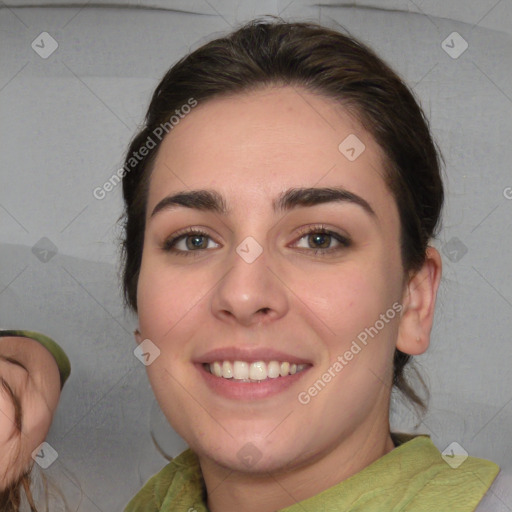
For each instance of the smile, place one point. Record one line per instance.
(256, 371)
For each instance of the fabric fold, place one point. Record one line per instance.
(412, 477)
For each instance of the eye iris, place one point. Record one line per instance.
(321, 239)
(198, 242)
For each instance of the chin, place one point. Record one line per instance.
(253, 455)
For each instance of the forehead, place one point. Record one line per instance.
(38, 361)
(254, 145)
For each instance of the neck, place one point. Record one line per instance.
(231, 491)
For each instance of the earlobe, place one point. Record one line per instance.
(138, 337)
(419, 300)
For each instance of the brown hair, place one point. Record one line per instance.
(265, 53)
(11, 497)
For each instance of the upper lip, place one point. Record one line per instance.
(249, 355)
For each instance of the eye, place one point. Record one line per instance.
(321, 240)
(317, 238)
(187, 241)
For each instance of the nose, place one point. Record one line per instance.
(250, 293)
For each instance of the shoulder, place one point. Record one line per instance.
(441, 481)
(151, 496)
(179, 474)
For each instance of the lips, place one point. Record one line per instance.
(249, 355)
(244, 373)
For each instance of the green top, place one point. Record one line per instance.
(55, 350)
(412, 477)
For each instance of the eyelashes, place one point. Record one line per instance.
(199, 241)
(171, 243)
(343, 241)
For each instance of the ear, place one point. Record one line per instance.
(419, 301)
(138, 337)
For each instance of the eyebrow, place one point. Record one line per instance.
(13, 361)
(210, 200)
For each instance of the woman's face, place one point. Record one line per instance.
(255, 286)
(37, 387)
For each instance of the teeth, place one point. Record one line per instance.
(240, 370)
(217, 369)
(227, 370)
(273, 369)
(257, 371)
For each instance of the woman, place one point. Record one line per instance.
(33, 370)
(279, 203)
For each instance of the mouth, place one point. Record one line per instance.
(248, 373)
(256, 371)
(249, 381)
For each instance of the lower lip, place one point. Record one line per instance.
(234, 389)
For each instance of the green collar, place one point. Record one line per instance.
(412, 477)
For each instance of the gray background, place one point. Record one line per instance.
(65, 124)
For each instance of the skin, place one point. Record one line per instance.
(38, 392)
(250, 148)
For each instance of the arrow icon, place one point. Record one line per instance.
(452, 458)
(146, 352)
(454, 249)
(44, 45)
(454, 45)
(351, 147)
(44, 249)
(249, 249)
(249, 454)
(44, 455)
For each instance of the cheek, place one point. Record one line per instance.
(172, 304)
(36, 425)
(347, 304)
(7, 416)
(342, 297)
(37, 422)
(164, 296)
